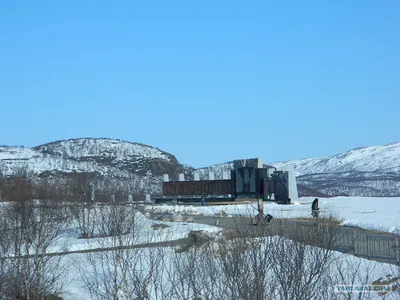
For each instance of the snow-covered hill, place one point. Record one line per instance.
(366, 171)
(89, 148)
(139, 165)
(366, 159)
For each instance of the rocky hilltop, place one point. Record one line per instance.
(132, 166)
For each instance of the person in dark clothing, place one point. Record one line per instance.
(315, 208)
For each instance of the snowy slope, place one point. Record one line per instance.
(87, 147)
(367, 171)
(15, 160)
(366, 159)
(139, 165)
(106, 156)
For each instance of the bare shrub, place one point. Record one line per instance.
(115, 220)
(82, 191)
(33, 228)
(232, 268)
(257, 262)
(268, 261)
(121, 270)
(351, 271)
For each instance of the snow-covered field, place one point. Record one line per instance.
(373, 213)
(78, 263)
(145, 233)
(368, 272)
(376, 213)
(382, 214)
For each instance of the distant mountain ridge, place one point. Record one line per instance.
(363, 159)
(364, 171)
(138, 168)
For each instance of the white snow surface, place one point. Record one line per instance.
(146, 234)
(381, 214)
(345, 263)
(69, 241)
(7, 153)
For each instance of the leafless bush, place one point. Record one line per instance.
(300, 271)
(115, 220)
(122, 271)
(83, 213)
(30, 229)
(254, 262)
(350, 271)
(233, 268)
(186, 277)
(269, 261)
(6, 243)
(82, 191)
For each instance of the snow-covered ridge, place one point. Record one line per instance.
(11, 153)
(366, 159)
(366, 171)
(81, 155)
(133, 166)
(89, 147)
(14, 160)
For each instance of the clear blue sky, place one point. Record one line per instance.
(208, 81)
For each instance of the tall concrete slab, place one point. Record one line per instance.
(148, 198)
(270, 171)
(166, 178)
(196, 176)
(293, 194)
(259, 163)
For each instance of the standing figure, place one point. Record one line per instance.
(261, 206)
(260, 216)
(315, 208)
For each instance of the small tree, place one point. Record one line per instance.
(82, 190)
(121, 271)
(33, 228)
(348, 270)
